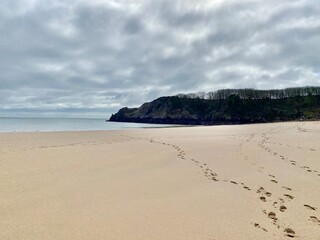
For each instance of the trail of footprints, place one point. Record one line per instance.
(262, 145)
(203, 167)
(286, 196)
(301, 129)
(291, 146)
(265, 196)
(278, 203)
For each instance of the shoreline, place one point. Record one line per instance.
(63, 124)
(166, 126)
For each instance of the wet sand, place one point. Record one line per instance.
(220, 183)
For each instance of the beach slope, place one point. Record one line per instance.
(220, 182)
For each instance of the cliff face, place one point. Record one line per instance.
(177, 110)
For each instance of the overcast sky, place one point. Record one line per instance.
(91, 57)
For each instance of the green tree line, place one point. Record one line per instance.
(249, 93)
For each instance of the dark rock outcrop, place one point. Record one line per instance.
(232, 110)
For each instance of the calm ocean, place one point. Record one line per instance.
(64, 124)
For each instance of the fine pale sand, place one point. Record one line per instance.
(218, 183)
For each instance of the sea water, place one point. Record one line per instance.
(9, 124)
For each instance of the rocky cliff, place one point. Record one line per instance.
(232, 110)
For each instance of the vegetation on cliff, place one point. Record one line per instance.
(228, 107)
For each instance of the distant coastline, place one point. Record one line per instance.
(228, 106)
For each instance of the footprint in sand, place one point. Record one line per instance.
(314, 219)
(261, 189)
(268, 194)
(263, 199)
(309, 207)
(283, 208)
(257, 225)
(288, 196)
(289, 232)
(274, 181)
(272, 215)
(233, 182)
(287, 188)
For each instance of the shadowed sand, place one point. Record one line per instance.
(220, 183)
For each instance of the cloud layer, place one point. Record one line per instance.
(92, 57)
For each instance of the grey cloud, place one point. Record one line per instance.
(91, 55)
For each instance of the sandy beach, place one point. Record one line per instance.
(220, 183)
